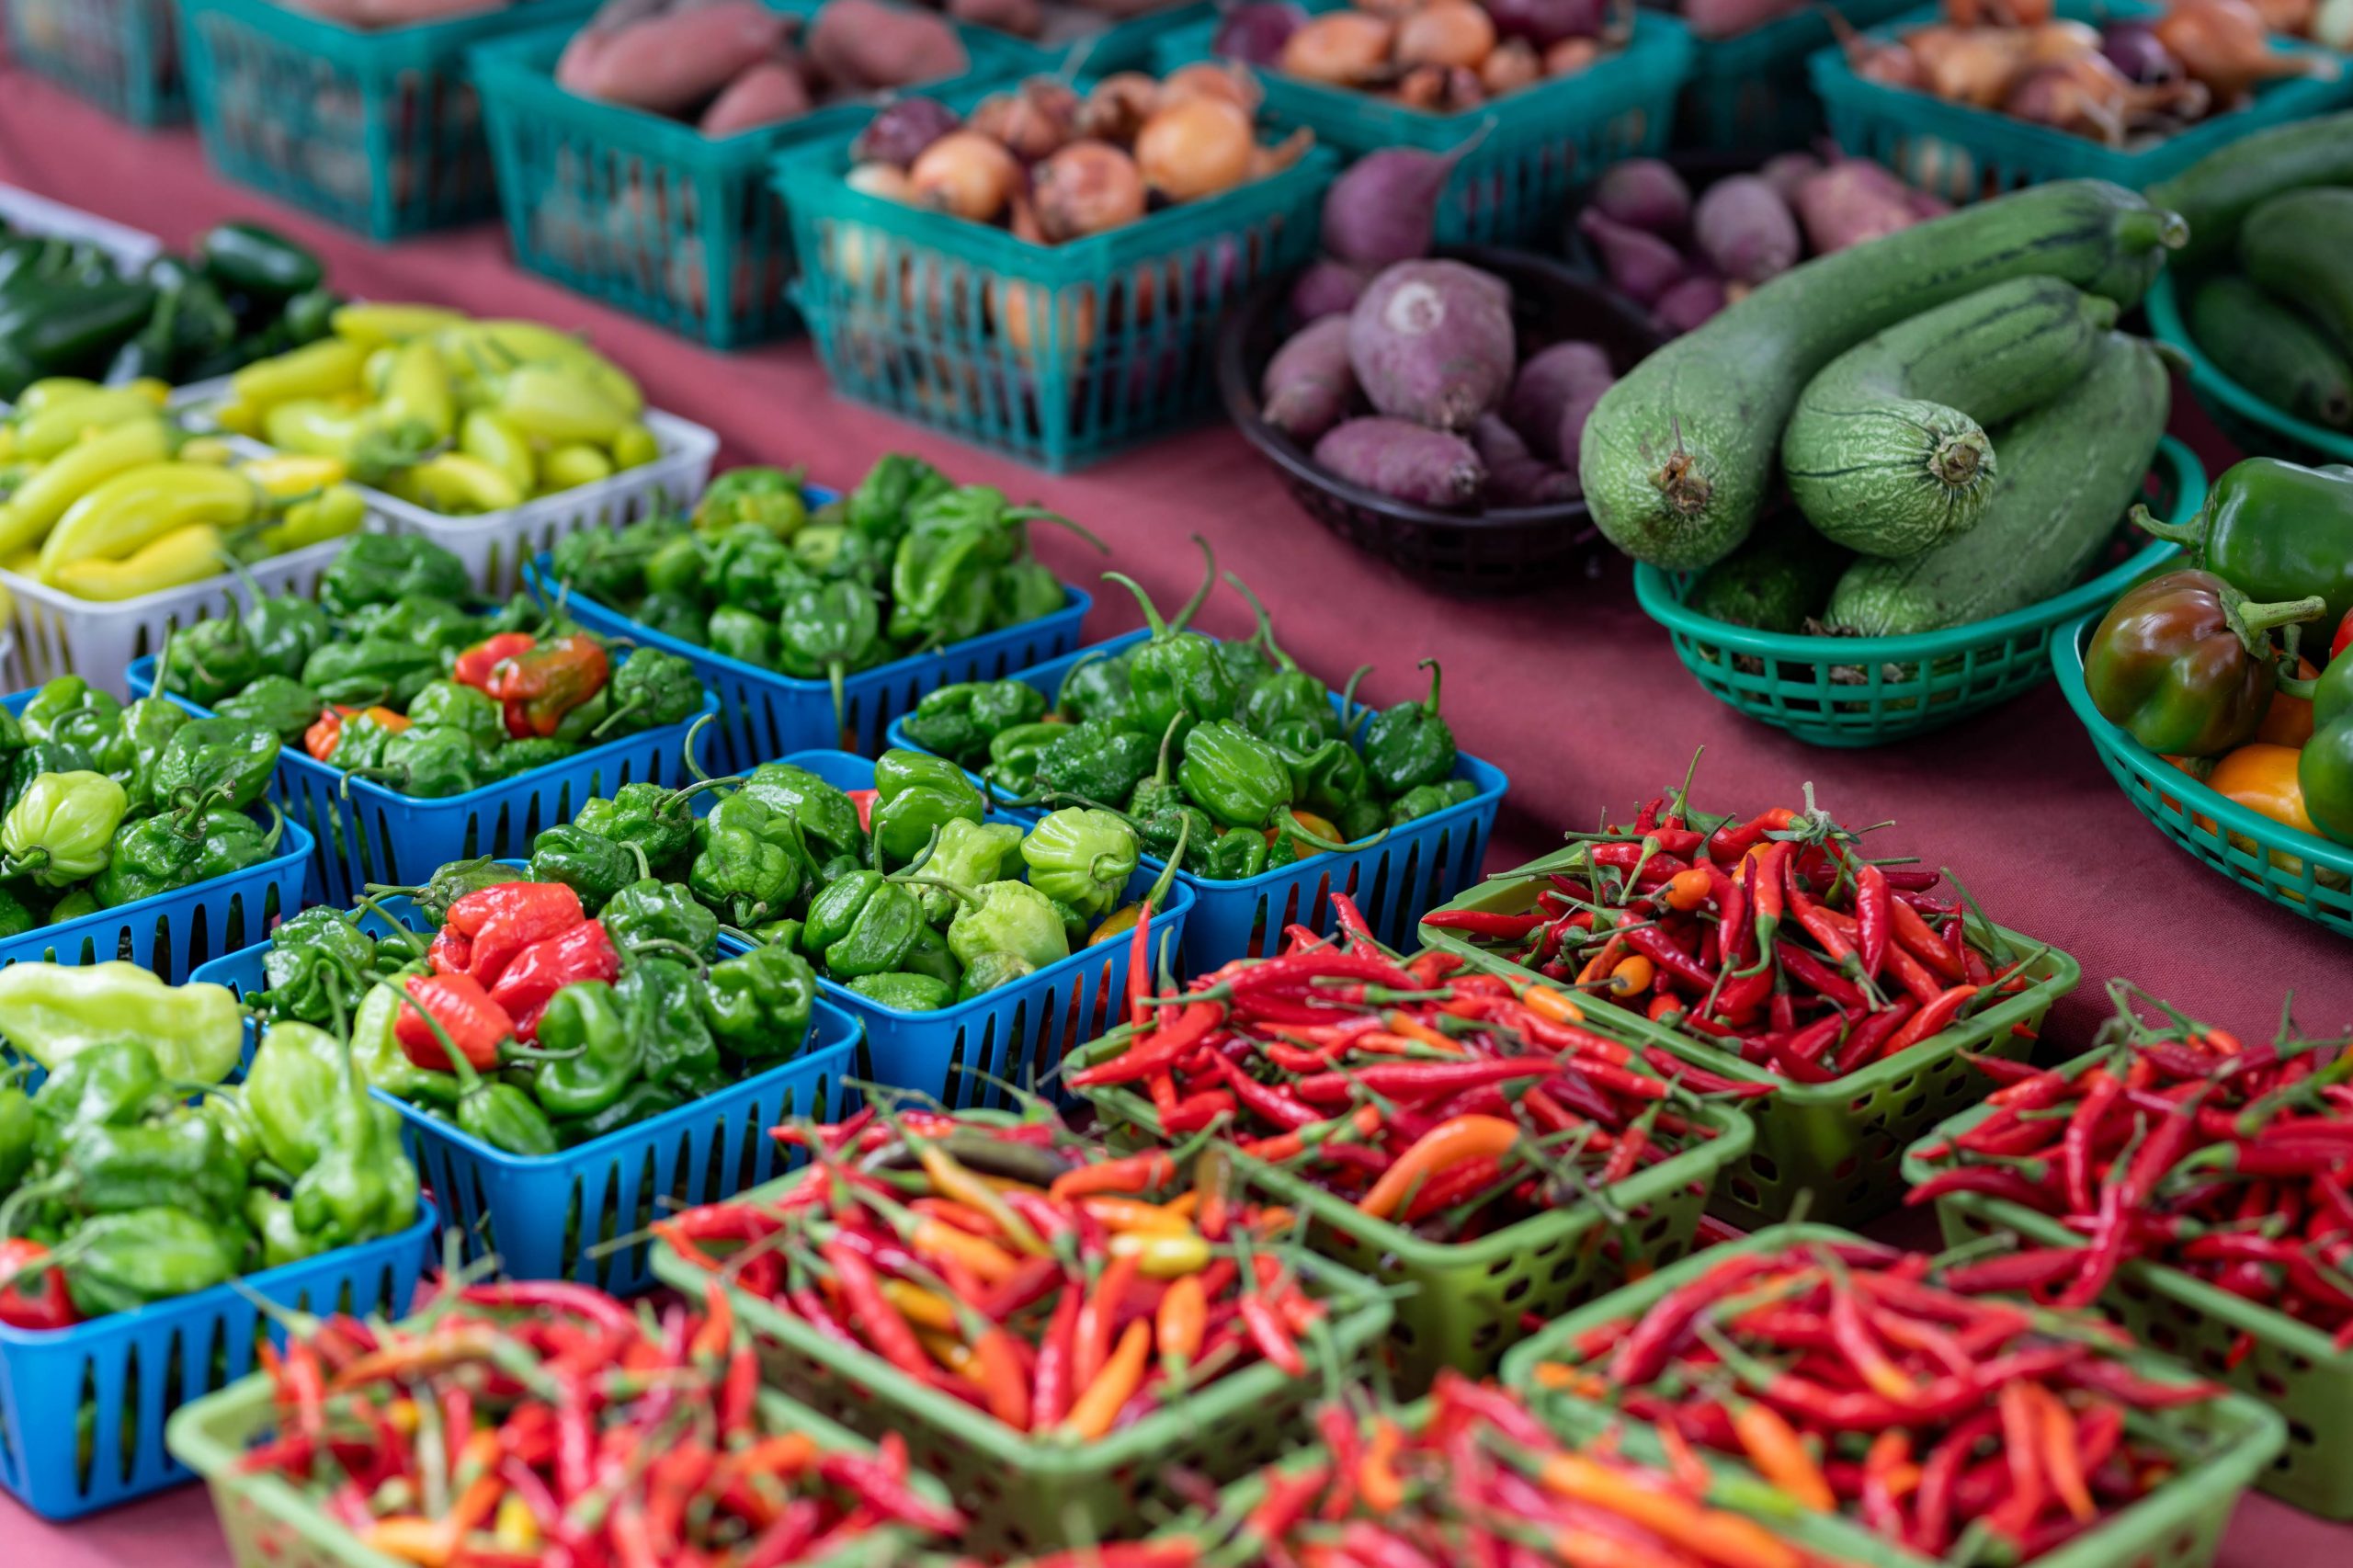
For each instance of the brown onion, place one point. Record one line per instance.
(1344, 48)
(2055, 43)
(884, 180)
(1032, 120)
(1511, 65)
(1265, 161)
(1570, 56)
(1087, 188)
(1446, 32)
(2224, 44)
(1968, 66)
(2294, 17)
(967, 174)
(1207, 79)
(1118, 107)
(1997, 13)
(1196, 148)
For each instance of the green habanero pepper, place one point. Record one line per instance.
(156, 855)
(38, 761)
(968, 852)
(877, 507)
(749, 864)
(376, 1056)
(610, 567)
(122, 1262)
(206, 662)
(1080, 856)
(283, 630)
(1286, 694)
(931, 954)
(360, 743)
(431, 762)
(148, 726)
(463, 708)
(1026, 590)
(825, 630)
(680, 567)
(960, 721)
(905, 993)
(769, 498)
(651, 688)
(651, 911)
(1328, 779)
(2184, 663)
(518, 757)
(649, 816)
(661, 999)
(585, 1017)
(862, 923)
(1174, 673)
(318, 964)
(181, 1159)
(222, 761)
(112, 1081)
(916, 795)
(641, 1101)
(63, 828)
(1099, 684)
(1409, 743)
(595, 866)
(735, 633)
(1011, 767)
(375, 569)
(419, 618)
(1233, 776)
(19, 1126)
(372, 671)
(2273, 530)
(758, 1004)
(16, 917)
(1004, 917)
(1236, 855)
(672, 615)
(71, 711)
(991, 971)
(279, 703)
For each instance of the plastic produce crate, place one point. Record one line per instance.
(1026, 1494)
(269, 1524)
(2300, 871)
(122, 55)
(1839, 1140)
(1057, 355)
(83, 1409)
(1751, 91)
(1965, 153)
(366, 832)
(645, 212)
(1533, 146)
(1019, 1033)
(378, 130)
(2264, 1354)
(1417, 867)
(581, 1215)
(2178, 1525)
(2252, 424)
(1868, 691)
(1462, 1304)
(763, 715)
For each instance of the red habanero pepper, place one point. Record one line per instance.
(546, 967)
(450, 952)
(1872, 917)
(505, 919)
(325, 731)
(475, 665)
(475, 1024)
(539, 685)
(41, 1302)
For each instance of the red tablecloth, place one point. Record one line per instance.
(1574, 691)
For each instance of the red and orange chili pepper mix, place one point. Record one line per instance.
(1857, 1381)
(1071, 1295)
(1456, 1103)
(2172, 1142)
(1774, 939)
(537, 1423)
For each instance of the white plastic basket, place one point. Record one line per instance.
(131, 248)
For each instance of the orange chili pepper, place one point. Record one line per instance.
(2063, 1460)
(1377, 1479)
(1134, 1214)
(1441, 1148)
(1630, 976)
(2288, 721)
(1724, 1539)
(925, 1309)
(1005, 1384)
(979, 1255)
(1681, 1463)
(1601, 964)
(1686, 891)
(1138, 1173)
(1182, 1320)
(1109, 1391)
(1557, 1006)
(1781, 1455)
(1092, 1347)
(1412, 1029)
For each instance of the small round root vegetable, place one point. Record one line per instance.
(1255, 32)
(768, 93)
(1743, 227)
(1690, 302)
(861, 44)
(1729, 19)
(1327, 288)
(1342, 48)
(1548, 379)
(900, 130)
(967, 174)
(1384, 208)
(1509, 67)
(1516, 476)
(1034, 120)
(1213, 79)
(1851, 201)
(1785, 172)
(1196, 148)
(1116, 107)
(1402, 460)
(1431, 341)
(1544, 23)
(1022, 18)
(1641, 265)
(1087, 188)
(1644, 192)
(1309, 386)
(1445, 32)
(670, 63)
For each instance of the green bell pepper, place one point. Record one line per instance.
(915, 796)
(758, 1004)
(1409, 743)
(2184, 663)
(279, 703)
(585, 1017)
(2273, 530)
(1080, 856)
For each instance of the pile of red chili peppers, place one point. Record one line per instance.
(515, 1426)
(501, 956)
(1857, 1381)
(1455, 1102)
(1036, 1279)
(1478, 1480)
(2175, 1143)
(1773, 937)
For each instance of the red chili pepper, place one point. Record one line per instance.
(539, 685)
(1866, 1042)
(40, 1302)
(546, 967)
(505, 919)
(1872, 917)
(1152, 1052)
(475, 1024)
(1480, 923)
(1932, 1018)
(475, 665)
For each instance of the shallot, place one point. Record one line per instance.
(1196, 148)
(1343, 48)
(966, 174)
(1084, 189)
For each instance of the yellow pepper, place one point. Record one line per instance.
(316, 369)
(43, 498)
(285, 477)
(2262, 778)
(514, 1529)
(456, 484)
(130, 510)
(373, 327)
(495, 345)
(312, 428)
(65, 420)
(22, 563)
(485, 435)
(634, 447)
(1160, 1256)
(558, 405)
(418, 390)
(574, 465)
(334, 512)
(209, 449)
(7, 443)
(925, 1309)
(377, 369)
(189, 554)
(238, 418)
(49, 389)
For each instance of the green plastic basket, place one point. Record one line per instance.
(2256, 426)
(1026, 1495)
(381, 132)
(1965, 153)
(1840, 1141)
(1058, 354)
(2178, 1525)
(122, 55)
(2287, 1364)
(1534, 147)
(2297, 871)
(1463, 1304)
(1751, 92)
(270, 1524)
(647, 213)
(1868, 691)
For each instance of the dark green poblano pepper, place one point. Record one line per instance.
(749, 863)
(279, 703)
(1176, 674)
(758, 1004)
(916, 796)
(1410, 744)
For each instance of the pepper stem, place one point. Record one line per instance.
(1290, 825)
(1348, 698)
(2190, 535)
(1192, 606)
(1265, 638)
(1430, 705)
(2253, 622)
(959, 889)
(686, 747)
(1151, 612)
(1167, 739)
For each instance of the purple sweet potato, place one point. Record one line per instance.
(1516, 476)
(1569, 437)
(1730, 18)
(1309, 387)
(1547, 380)
(1745, 230)
(1852, 200)
(1690, 302)
(670, 63)
(1398, 459)
(1641, 265)
(770, 91)
(1384, 208)
(1431, 341)
(1787, 171)
(1644, 192)
(1328, 288)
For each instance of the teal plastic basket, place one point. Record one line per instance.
(2297, 871)
(1058, 354)
(381, 132)
(2253, 425)
(1963, 152)
(122, 55)
(646, 213)
(1868, 691)
(1535, 146)
(1750, 92)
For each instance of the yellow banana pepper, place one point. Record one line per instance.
(456, 485)
(377, 369)
(286, 477)
(65, 420)
(373, 327)
(43, 498)
(312, 427)
(22, 563)
(316, 369)
(238, 418)
(209, 449)
(485, 435)
(185, 555)
(7, 443)
(558, 406)
(49, 390)
(332, 513)
(634, 447)
(495, 345)
(132, 509)
(576, 463)
(418, 389)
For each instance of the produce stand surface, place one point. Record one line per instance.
(1575, 694)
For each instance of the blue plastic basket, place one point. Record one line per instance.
(763, 715)
(1750, 92)
(366, 832)
(122, 55)
(1418, 867)
(1018, 1033)
(563, 1216)
(171, 932)
(1533, 146)
(81, 1409)
(1058, 354)
(1965, 153)
(379, 130)
(647, 213)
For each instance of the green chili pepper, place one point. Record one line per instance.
(505, 1117)
(431, 762)
(905, 993)
(279, 703)
(661, 999)
(108, 1080)
(245, 258)
(158, 854)
(611, 566)
(376, 1056)
(375, 569)
(862, 923)
(915, 796)
(1286, 694)
(651, 910)
(463, 708)
(1409, 743)
(825, 630)
(181, 1159)
(1082, 858)
(758, 1004)
(518, 757)
(586, 1016)
(1176, 674)
(748, 864)
(769, 498)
